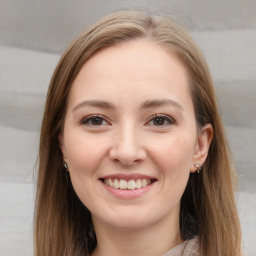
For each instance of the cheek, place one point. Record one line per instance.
(84, 156)
(174, 154)
(174, 163)
(83, 153)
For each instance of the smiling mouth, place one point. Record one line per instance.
(127, 184)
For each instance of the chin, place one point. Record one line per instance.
(129, 221)
(131, 225)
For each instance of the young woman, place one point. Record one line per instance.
(133, 157)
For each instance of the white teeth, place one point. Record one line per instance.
(111, 183)
(138, 183)
(123, 184)
(144, 183)
(130, 184)
(116, 183)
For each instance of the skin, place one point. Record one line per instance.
(136, 81)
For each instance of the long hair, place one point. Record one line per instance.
(62, 224)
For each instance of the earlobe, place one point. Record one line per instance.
(197, 166)
(202, 147)
(62, 148)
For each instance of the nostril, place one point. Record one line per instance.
(126, 161)
(127, 152)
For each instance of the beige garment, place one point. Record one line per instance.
(187, 248)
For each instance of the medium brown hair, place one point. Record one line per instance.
(63, 225)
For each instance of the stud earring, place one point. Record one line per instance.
(65, 166)
(198, 166)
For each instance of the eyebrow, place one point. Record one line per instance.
(145, 105)
(95, 103)
(161, 102)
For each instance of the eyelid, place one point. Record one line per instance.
(168, 118)
(90, 117)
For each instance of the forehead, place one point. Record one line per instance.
(136, 67)
(129, 55)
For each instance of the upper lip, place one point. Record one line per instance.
(135, 176)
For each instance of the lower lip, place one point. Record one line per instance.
(126, 193)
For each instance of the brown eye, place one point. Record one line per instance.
(161, 120)
(94, 121)
(97, 121)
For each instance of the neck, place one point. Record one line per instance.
(114, 241)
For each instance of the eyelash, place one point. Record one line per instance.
(167, 119)
(91, 118)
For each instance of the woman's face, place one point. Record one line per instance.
(130, 137)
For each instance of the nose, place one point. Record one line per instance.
(127, 148)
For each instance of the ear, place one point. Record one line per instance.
(62, 148)
(202, 146)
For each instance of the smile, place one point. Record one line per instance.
(127, 184)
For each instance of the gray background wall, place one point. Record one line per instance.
(33, 33)
(48, 25)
